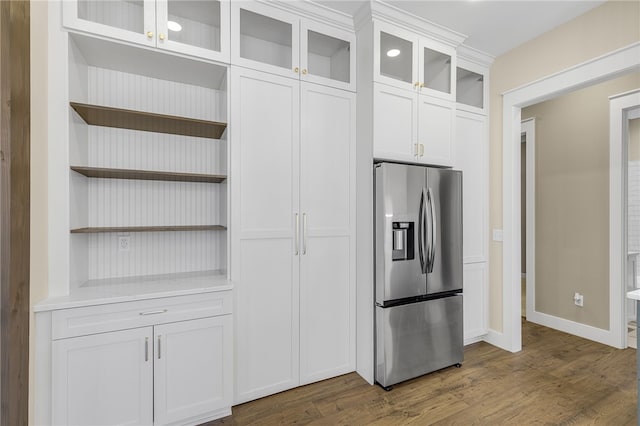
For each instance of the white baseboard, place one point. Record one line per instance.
(497, 338)
(585, 331)
(474, 339)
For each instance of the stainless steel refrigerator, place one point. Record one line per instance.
(418, 270)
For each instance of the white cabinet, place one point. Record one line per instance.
(196, 28)
(293, 244)
(279, 42)
(103, 379)
(472, 159)
(409, 126)
(414, 108)
(408, 61)
(475, 301)
(170, 373)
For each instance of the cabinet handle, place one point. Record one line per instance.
(304, 71)
(161, 36)
(304, 233)
(416, 150)
(422, 85)
(416, 84)
(159, 347)
(150, 34)
(161, 311)
(297, 234)
(421, 150)
(296, 69)
(146, 349)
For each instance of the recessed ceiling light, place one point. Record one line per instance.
(174, 26)
(393, 53)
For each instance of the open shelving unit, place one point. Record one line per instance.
(147, 160)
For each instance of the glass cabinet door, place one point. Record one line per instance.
(469, 88)
(267, 36)
(396, 58)
(436, 70)
(129, 20)
(194, 27)
(327, 56)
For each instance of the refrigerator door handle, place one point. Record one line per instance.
(433, 235)
(421, 229)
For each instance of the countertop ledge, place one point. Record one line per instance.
(130, 289)
(635, 294)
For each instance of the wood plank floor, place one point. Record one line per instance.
(556, 379)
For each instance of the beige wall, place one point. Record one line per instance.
(572, 221)
(601, 30)
(39, 188)
(634, 139)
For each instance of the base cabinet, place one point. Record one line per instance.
(475, 301)
(167, 374)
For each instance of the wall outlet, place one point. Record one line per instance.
(578, 299)
(124, 243)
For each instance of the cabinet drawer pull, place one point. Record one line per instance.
(161, 311)
(159, 348)
(146, 349)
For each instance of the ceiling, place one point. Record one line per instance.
(492, 26)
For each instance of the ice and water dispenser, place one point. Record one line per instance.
(403, 245)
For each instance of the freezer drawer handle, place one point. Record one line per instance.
(161, 311)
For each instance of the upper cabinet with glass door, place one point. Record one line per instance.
(409, 61)
(272, 40)
(195, 28)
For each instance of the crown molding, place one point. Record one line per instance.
(314, 11)
(475, 56)
(383, 11)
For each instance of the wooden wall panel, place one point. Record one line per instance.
(14, 209)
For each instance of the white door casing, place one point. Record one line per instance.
(598, 69)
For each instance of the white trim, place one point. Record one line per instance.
(577, 329)
(314, 11)
(476, 339)
(385, 12)
(528, 127)
(582, 75)
(475, 56)
(496, 338)
(618, 137)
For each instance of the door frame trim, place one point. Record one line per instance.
(596, 70)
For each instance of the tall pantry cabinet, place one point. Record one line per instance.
(293, 186)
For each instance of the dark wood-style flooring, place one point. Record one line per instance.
(556, 379)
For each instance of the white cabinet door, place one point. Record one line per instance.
(436, 69)
(475, 301)
(435, 130)
(471, 157)
(395, 56)
(103, 379)
(197, 28)
(133, 21)
(395, 123)
(193, 368)
(327, 56)
(327, 262)
(265, 38)
(265, 159)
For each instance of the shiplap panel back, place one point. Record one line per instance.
(634, 206)
(115, 202)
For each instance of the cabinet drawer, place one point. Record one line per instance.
(119, 316)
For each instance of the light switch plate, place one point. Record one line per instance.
(497, 235)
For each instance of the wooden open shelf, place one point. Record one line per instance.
(136, 120)
(98, 172)
(97, 230)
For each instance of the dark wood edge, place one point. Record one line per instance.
(112, 117)
(97, 230)
(15, 166)
(106, 173)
